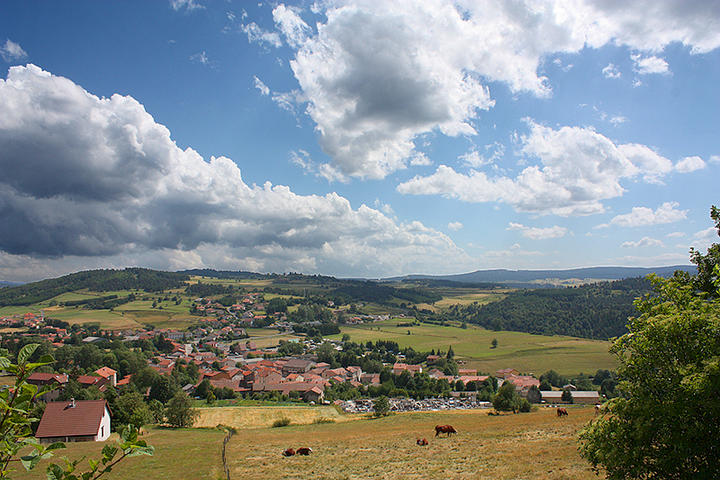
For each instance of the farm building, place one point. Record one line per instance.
(75, 421)
(585, 397)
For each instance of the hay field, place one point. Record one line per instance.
(523, 446)
(523, 351)
(256, 417)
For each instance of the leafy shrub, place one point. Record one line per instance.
(281, 422)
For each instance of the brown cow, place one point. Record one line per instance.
(422, 441)
(289, 452)
(444, 429)
(562, 412)
(304, 451)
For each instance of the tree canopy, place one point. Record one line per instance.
(664, 424)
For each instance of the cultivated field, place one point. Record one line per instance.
(535, 445)
(254, 417)
(523, 351)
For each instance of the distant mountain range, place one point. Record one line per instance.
(9, 284)
(549, 277)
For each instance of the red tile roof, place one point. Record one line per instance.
(61, 420)
(47, 377)
(105, 372)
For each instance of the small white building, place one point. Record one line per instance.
(75, 421)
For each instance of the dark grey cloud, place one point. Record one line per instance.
(97, 177)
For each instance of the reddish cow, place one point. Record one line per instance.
(304, 451)
(444, 429)
(562, 412)
(289, 452)
(422, 441)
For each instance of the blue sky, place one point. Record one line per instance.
(356, 138)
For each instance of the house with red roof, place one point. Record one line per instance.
(75, 421)
(90, 380)
(109, 374)
(42, 380)
(398, 368)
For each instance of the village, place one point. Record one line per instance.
(230, 363)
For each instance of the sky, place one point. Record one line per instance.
(356, 138)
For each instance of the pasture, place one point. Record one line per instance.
(532, 445)
(523, 351)
(522, 446)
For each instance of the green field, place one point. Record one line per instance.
(523, 446)
(189, 453)
(523, 351)
(135, 314)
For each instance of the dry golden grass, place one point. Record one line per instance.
(536, 445)
(523, 446)
(255, 417)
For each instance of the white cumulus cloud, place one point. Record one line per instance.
(611, 71)
(642, 216)
(377, 75)
(188, 5)
(579, 168)
(256, 34)
(690, 164)
(643, 242)
(536, 233)
(650, 65)
(12, 52)
(455, 226)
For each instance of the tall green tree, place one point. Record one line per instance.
(179, 411)
(506, 399)
(664, 424)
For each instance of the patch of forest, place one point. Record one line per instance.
(94, 280)
(383, 294)
(598, 311)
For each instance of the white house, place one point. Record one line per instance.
(75, 421)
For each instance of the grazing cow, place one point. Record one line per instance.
(289, 452)
(598, 409)
(562, 412)
(444, 429)
(422, 441)
(304, 451)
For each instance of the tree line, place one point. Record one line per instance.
(598, 311)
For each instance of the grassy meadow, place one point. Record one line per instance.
(187, 454)
(523, 446)
(523, 351)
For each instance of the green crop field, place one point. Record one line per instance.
(523, 351)
(530, 445)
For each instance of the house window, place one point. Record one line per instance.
(102, 431)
